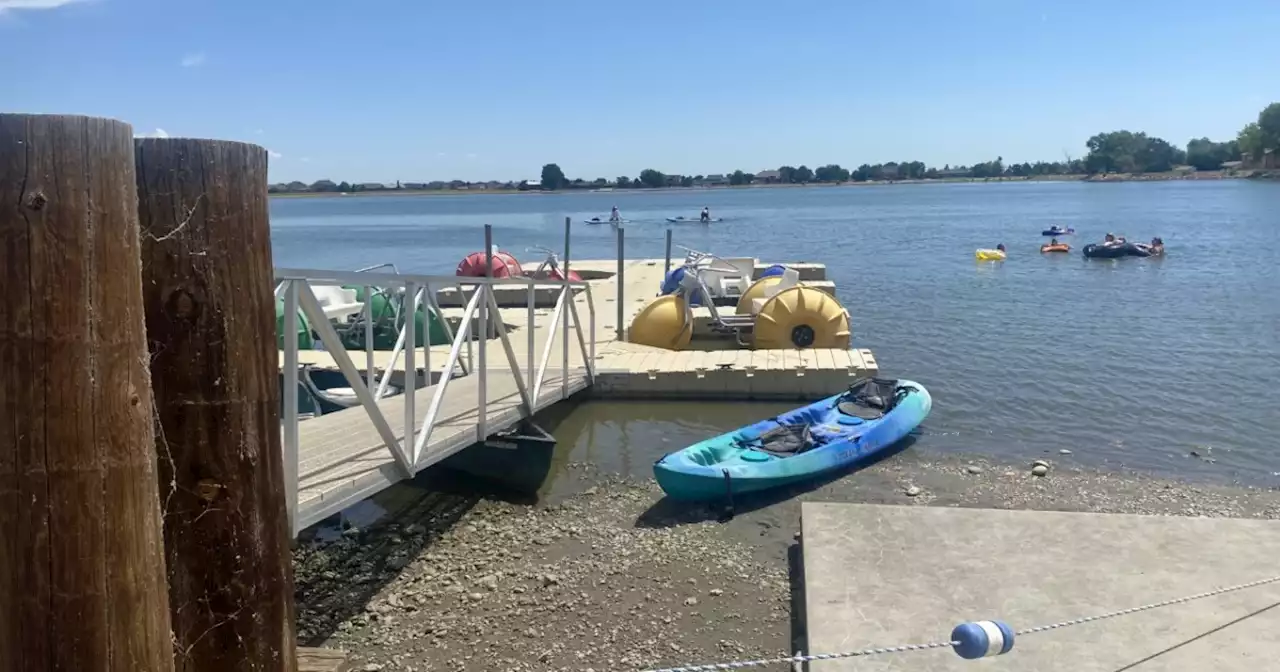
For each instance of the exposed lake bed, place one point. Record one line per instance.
(608, 575)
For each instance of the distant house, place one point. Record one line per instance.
(414, 185)
(371, 186)
(1231, 165)
(889, 171)
(716, 180)
(768, 177)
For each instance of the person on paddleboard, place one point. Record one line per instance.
(614, 215)
(706, 214)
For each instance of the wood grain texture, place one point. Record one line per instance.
(81, 557)
(322, 660)
(211, 328)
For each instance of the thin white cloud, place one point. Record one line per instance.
(305, 159)
(259, 132)
(441, 154)
(275, 155)
(193, 60)
(6, 5)
(158, 133)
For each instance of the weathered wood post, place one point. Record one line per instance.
(207, 289)
(81, 557)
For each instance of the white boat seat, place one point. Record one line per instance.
(728, 283)
(790, 278)
(338, 303)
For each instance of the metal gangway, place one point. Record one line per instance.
(337, 459)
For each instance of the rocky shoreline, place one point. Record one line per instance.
(611, 576)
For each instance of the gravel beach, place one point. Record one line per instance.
(609, 576)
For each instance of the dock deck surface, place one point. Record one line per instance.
(879, 576)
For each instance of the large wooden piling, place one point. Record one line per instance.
(81, 558)
(211, 327)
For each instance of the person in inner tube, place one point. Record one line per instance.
(1112, 240)
(1000, 247)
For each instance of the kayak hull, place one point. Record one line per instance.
(606, 221)
(1063, 232)
(692, 220)
(1095, 251)
(694, 473)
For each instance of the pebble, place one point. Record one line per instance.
(691, 601)
(1040, 463)
(716, 592)
(974, 469)
(372, 667)
(1039, 470)
(1064, 451)
(913, 491)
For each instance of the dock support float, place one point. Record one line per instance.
(81, 557)
(210, 318)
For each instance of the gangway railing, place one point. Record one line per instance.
(295, 287)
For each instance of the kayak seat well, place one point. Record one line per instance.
(853, 409)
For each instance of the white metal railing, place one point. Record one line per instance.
(481, 308)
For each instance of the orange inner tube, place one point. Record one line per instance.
(1060, 247)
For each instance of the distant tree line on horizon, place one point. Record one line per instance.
(1257, 145)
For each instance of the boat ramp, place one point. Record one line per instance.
(887, 585)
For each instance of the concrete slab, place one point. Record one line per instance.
(888, 575)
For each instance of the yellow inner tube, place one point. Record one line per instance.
(989, 255)
(664, 323)
(801, 317)
(755, 291)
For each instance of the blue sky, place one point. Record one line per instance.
(386, 90)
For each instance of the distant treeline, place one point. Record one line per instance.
(1255, 146)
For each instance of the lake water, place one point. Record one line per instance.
(1134, 362)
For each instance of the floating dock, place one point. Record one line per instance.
(344, 457)
(714, 367)
(883, 576)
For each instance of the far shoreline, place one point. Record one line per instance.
(1114, 177)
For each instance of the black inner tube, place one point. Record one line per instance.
(803, 336)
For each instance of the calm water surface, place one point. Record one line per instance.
(1134, 361)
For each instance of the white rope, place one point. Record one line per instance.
(1134, 610)
(743, 664)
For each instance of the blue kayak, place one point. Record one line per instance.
(869, 417)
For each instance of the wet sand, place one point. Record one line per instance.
(608, 575)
